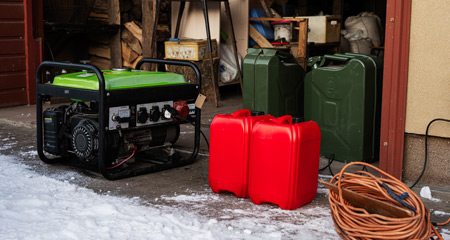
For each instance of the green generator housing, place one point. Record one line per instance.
(118, 79)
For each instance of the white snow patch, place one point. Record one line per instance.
(323, 191)
(445, 234)
(441, 213)
(33, 206)
(6, 146)
(325, 176)
(30, 153)
(37, 207)
(425, 192)
(193, 198)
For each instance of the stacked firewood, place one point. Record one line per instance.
(131, 42)
(130, 33)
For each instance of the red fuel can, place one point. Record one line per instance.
(230, 136)
(284, 162)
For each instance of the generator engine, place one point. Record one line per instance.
(74, 130)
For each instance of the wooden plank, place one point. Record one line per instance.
(10, 10)
(337, 7)
(275, 14)
(132, 42)
(34, 25)
(115, 45)
(128, 54)
(302, 39)
(99, 15)
(207, 89)
(12, 80)
(12, 63)
(135, 30)
(259, 38)
(148, 28)
(132, 64)
(12, 46)
(100, 51)
(370, 204)
(100, 38)
(101, 63)
(13, 97)
(266, 7)
(12, 29)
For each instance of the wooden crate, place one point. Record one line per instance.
(324, 29)
(205, 70)
(189, 49)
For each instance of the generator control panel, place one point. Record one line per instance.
(146, 114)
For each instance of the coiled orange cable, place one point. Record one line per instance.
(356, 223)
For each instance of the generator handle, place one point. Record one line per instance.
(173, 62)
(74, 66)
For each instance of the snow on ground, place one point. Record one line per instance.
(445, 234)
(441, 213)
(33, 206)
(425, 192)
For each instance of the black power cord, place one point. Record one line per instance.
(174, 114)
(426, 149)
(330, 161)
(193, 124)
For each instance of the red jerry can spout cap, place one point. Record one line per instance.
(247, 113)
(241, 113)
(286, 119)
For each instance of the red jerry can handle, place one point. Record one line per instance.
(286, 119)
(242, 113)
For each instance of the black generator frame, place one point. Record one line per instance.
(117, 97)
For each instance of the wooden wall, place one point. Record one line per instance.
(12, 54)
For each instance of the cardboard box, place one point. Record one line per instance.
(189, 49)
(323, 29)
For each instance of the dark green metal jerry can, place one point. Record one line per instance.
(341, 96)
(273, 83)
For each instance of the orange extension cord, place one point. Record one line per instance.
(356, 223)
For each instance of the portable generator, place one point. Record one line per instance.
(117, 118)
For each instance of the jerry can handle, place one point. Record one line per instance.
(286, 57)
(286, 119)
(242, 113)
(334, 58)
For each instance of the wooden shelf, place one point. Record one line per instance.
(302, 29)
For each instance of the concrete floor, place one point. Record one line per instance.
(19, 123)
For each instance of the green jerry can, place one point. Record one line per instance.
(273, 83)
(341, 96)
(378, 63)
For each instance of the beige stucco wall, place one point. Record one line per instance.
(429, 68)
